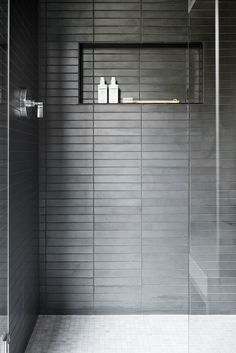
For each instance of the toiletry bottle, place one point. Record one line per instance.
(113, 91)
(102, 91)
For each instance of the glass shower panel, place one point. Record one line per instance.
(3, 170)
(212, 304)
(204, 255)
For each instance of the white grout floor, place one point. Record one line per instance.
(134, 334)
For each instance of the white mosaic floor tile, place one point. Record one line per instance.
(134, 334)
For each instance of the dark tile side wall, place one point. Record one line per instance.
(4, 166)
(113, 179)
(24, 285)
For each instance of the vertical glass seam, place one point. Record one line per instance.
(141, 157)
(189, 179)
(8, 164)
(217, 93)
(93, 102)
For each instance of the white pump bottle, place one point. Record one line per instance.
(102, 91)
(113, 91)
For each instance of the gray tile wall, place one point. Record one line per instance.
(113, 179)
(3, 164)
(165, 209)
(24, 285)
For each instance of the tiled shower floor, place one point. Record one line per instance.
(134, 334)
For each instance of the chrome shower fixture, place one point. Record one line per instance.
(28, 103)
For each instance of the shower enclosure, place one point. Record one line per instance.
(118, 220)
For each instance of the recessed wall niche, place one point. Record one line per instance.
(148, 71)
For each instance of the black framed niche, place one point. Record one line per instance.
(147, 71)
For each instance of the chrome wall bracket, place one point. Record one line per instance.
(28, 103)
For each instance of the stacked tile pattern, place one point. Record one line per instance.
(114, 179)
